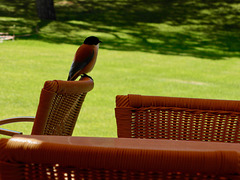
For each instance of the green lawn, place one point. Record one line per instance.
(182, 56)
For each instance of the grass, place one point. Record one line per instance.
(166, 55)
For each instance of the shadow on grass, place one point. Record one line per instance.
(196, 28)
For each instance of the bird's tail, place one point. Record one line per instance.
(69, 78)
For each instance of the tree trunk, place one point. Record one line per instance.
(45, 9)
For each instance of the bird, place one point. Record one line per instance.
(85, 58)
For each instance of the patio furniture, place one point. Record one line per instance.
(175, 118)
(65, 157)
(6, 36)
(59, 106)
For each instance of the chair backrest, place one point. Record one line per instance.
(59, 106)
(178, 118)
(61, 157)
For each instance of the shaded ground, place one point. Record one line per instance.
(199, 28)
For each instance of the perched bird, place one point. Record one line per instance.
(85, 58)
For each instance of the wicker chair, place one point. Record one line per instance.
(178, 118)
(58, 109)
(60, 157)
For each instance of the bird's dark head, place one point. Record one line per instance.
(92, 40)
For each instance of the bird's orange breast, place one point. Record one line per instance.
(83, 53)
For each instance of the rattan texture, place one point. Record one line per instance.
(64, 113)
(57, 172)
(59, 106)
(73, 158)
(178, 118)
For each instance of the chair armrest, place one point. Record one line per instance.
(17, 119)
(124, 154)
(13, 120)
(8, 132)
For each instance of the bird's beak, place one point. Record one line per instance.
(100, 41)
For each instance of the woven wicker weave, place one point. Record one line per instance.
(58, 109)
(80, 158)
(178, 118)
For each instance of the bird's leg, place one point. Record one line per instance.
(85, 75)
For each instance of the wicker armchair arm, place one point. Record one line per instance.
(13, 120)
(17, 119)
(8, 132)
(68, 157)
(123, 154)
